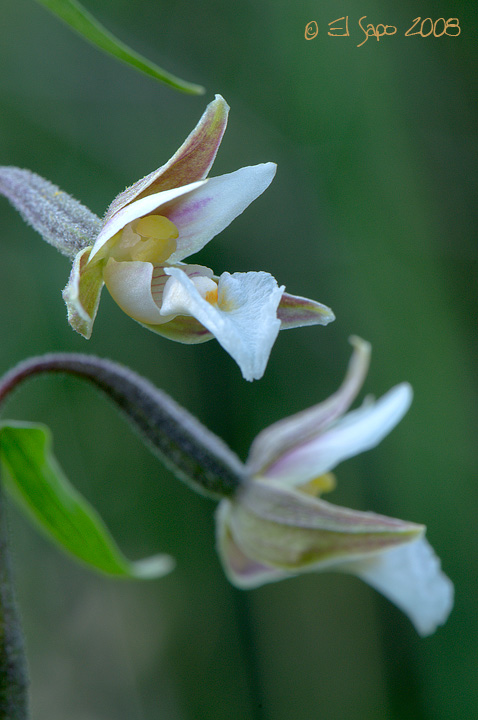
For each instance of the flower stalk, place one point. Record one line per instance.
(191, 451)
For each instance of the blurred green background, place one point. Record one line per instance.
(371, 212)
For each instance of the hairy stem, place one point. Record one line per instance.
(60, 219)
(190, 450)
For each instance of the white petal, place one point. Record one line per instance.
(213, 206)
(137, 209)
(129, 284)
(245, 319)
(173, 297)
(278, 439)
(411, 577)
(356, 432)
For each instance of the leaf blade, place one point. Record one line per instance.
(37, 483)
(85, 24)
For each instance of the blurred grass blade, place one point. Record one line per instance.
(80, 20)
(35, 480)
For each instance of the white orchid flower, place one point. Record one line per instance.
(278, 527)
(164, 218)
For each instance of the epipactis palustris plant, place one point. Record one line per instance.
(149, 229)
(271, 521)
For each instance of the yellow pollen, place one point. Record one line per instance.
(156, 226)
(158, 239)
(319, 485)
(211, 296)
(153, 250)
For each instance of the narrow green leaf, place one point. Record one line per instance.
(34, 479)
(80, 20)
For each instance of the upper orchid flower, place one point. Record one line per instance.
(148, 230)
(154, 225)
(277, 527)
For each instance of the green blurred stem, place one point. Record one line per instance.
(13, 674)
(244, 615)
(190, 450)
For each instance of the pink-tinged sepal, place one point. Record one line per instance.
(270, 533)
(282, 529)
(295, 311)
(190, 163)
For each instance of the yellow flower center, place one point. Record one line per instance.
(207, 288)
(319, 485)
(149, 239)
(211, 296)
(158, 239)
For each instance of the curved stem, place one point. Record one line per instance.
(192, 452)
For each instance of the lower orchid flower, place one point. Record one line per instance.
(147, 232)
(271, 522)
(277, 526)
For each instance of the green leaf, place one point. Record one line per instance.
(34, 479)
(80, 20)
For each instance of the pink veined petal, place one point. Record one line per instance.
(137, 287)
(190, 163)
(278, 439)
(202, 215)
(161, 275)
(411, 577)
(358, 431)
